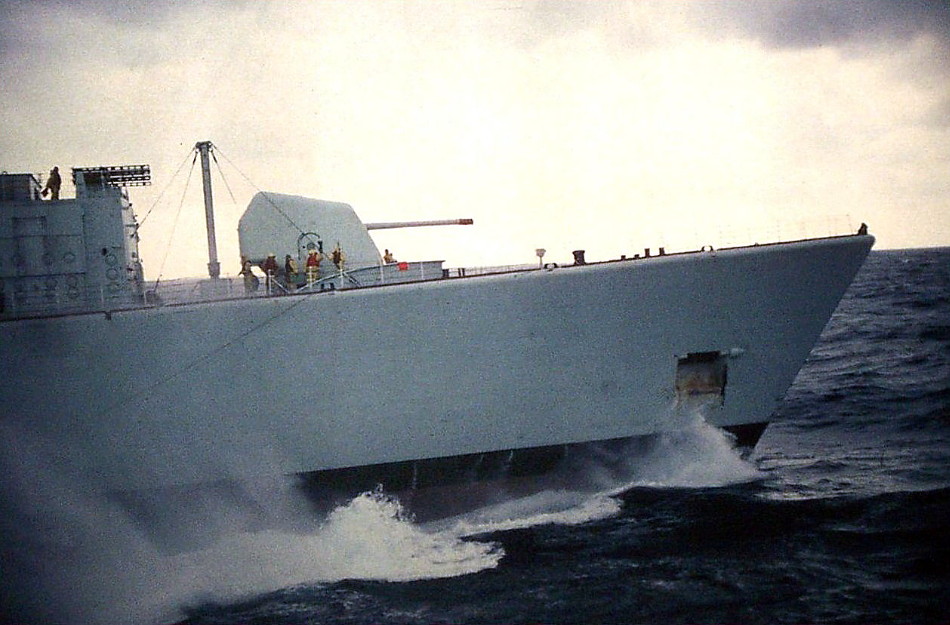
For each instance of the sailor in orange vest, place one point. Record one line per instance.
(313, 266)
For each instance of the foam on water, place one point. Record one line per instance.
(699, 456)
(370, 537)
(559, 507)
(71, 557)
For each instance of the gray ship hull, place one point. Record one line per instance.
(320, 384)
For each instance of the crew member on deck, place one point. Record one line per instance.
(313, 265)
(250, 280)
(388, 258)
(338, 256)
(270, 270)
(52, 184)
(290, 271)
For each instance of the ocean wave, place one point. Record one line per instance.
(939, 333)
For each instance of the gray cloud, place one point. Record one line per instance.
(853, 26)
(54, 29)
(557, 17)
(800, 24)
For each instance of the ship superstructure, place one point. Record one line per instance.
(70, 255)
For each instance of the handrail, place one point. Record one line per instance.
(60, 295)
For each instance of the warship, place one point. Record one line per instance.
(354, 371)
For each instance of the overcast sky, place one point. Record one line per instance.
(607, 126)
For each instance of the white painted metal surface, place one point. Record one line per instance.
(275, 223)
(262, 386)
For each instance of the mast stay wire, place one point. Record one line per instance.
(223, 179)
(168, 184)
(147, 393)
(194, 154)
(263, 193)
(171, 238)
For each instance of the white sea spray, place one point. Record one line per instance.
(89, 560)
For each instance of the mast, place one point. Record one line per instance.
(214, 267)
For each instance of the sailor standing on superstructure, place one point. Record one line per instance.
(52, 184)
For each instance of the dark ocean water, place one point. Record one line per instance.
(841, 515)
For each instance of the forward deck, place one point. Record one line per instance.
(50, 302)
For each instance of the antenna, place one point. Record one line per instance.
(114, 176)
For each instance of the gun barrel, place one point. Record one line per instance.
(415, 224)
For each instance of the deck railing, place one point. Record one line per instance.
(42, 299)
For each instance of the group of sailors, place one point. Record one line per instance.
(288, 278)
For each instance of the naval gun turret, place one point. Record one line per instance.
(279, 224)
